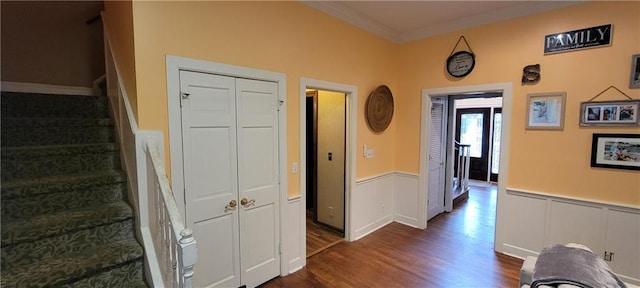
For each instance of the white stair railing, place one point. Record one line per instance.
(169, 247)
(464, 160)
(174, 244)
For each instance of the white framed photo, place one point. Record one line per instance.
(610, 113)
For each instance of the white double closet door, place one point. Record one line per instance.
(230, 146)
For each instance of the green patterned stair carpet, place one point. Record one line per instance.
(65, 218)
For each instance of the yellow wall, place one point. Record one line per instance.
(555, 162)
(331, 138)
(286, 37)
(48, 42)
(119, 25)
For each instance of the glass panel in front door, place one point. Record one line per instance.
(471, 132)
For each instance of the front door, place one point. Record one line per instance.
(229, 131)
(472, 127)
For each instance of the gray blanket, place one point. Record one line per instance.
(558, 264)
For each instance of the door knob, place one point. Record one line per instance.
(232, 204)
(245, 202)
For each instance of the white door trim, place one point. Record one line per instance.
(351, 92)
(507, 95)
(174, 65)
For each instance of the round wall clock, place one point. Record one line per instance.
(461, 63)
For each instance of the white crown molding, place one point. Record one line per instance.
(515, 11)
(353, 17)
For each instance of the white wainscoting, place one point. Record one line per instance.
(534, 220)
(406, 199)
(372, 204)
(294, 236)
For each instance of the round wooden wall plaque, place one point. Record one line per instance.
(379, 108)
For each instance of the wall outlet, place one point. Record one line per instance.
(294, 167)
(330, 211)
(608, 256)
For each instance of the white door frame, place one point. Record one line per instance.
(174, 65)
(507, 95)
(351, 93)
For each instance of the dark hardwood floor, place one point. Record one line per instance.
(456, 250)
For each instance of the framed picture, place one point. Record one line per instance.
(610, 113)
(620, 151)
(545, 111)
(634, 79)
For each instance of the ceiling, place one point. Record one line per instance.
(404, 21)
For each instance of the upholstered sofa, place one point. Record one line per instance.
(568, 266)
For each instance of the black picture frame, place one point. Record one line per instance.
(617, 151)
(461, 63)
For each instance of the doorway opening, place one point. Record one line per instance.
(427, 131)
(325, 166)
(350, 108)
(473, 120)
(478, 125)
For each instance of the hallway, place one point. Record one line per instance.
(456, 250)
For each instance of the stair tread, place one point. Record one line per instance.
(9, 153)
(46, 161)
(58, 270)
(17, 104)
(29, 205)
(52, 184)
(35, 122)
(27, 253)
(128, 275)
(47, 225)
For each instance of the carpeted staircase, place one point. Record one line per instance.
(65, 218)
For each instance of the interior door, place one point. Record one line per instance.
(472, 127)
(436, 181)
(257, 103)
(230, 152)
(210, 178)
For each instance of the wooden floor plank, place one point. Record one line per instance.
(456, 250)
(319, 238)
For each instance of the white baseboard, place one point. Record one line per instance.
(404, 220)
(23, 87)
(372, 227)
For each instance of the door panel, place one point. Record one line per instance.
(472, 127)
(216, 260)
(258, 180)
(260, 261)
(435, 203)
(209, 141)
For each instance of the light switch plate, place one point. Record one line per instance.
(368, 153)
(294, 167)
